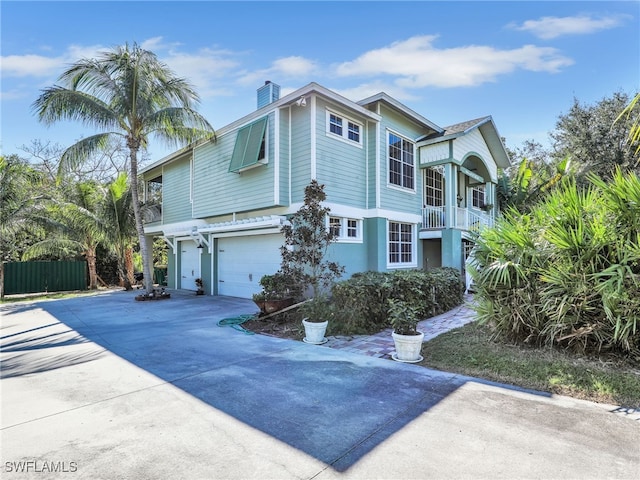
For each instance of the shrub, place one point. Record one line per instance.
(362, 302)
(568, 273)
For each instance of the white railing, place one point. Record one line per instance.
(435, 218)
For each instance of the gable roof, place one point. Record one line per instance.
(396, 105)
(487, 129)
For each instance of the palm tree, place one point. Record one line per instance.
(117, 213)
(75, 227)
(127, 93)
(17, 183)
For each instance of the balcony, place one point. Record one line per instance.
(435, 218)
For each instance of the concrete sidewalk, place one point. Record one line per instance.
(106, 387)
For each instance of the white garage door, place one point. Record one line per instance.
(242, 261)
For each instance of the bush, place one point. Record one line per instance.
(567, 273)
(362, 302)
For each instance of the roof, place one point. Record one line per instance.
(487, 129)
(396, 105)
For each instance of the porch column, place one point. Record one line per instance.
(452, 248)
(450, 193)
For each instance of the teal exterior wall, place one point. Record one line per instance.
(392, 197)
(176, 182)
(300, 152)
(375, 232)
(341, 165)
(452, 248)
(216, 191)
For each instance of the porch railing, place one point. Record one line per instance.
(435, 218)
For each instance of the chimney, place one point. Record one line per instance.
(268, 93)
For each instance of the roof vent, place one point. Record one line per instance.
(268, 93)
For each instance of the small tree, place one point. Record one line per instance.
(306, 241)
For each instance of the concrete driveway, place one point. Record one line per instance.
(106, 387)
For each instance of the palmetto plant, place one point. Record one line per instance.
(568, 272)
(74, 225)
(129, 94)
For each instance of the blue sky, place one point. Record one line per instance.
(521, 62)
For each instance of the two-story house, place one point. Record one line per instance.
(403, 191)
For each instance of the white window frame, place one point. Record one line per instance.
(413, 262)
(402, 163)
(481, 189)
(344, 228)
(431, 189)
(345, 126)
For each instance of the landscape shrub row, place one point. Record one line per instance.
(361, 302)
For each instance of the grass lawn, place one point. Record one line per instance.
(470, 350)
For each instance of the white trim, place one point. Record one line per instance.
(345, 128)
(343, 237)
(415, 167)
(313, 126)
(276, 154)
(414, 249)
(378, 166)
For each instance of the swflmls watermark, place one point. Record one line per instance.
(40, 466)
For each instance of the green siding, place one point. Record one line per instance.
(218, 191)
(176, 179)
(341, 165)
(300, 152)
(284, 159)
(392, 197)
(247, 147)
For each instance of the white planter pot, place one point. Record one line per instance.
(314, 332)
(408, 347)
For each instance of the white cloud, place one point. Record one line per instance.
(32, 65)
(553, 27)
(417, 63)
(282, 68)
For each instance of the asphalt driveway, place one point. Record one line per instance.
(107, 387)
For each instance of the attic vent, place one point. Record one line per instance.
(268, 93)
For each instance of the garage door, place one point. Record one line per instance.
(242, 261)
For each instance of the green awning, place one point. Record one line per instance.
(248, 142)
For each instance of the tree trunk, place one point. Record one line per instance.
(128, 264)
(91, 263)
(1, 280)
(146, 268)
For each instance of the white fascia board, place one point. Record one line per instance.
(383, 97)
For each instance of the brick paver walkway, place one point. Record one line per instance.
(381, 344)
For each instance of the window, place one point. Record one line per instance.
(335, 124)
(344, 128)
(335, 225)
(477, 196)
(345, 229)
(354, 132)
(400, 162)
(352, 228)
(400, 243)
(433, 187)
(250, 147)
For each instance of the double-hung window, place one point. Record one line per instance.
(344, 128)
(401, 167)
(401, 251)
